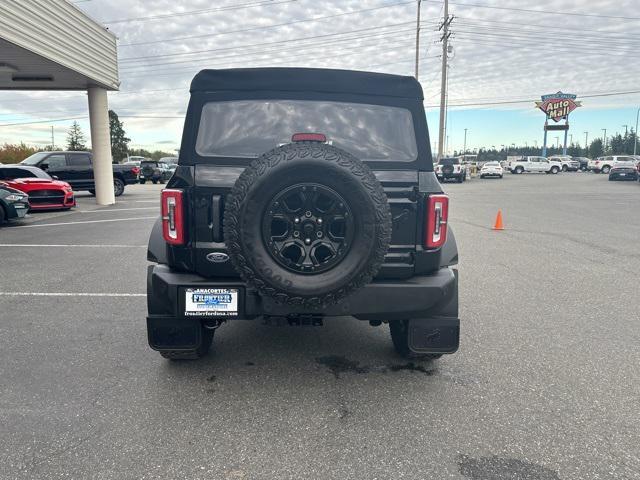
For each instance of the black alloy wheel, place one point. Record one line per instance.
(308, 228)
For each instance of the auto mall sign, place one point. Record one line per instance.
(558, 106)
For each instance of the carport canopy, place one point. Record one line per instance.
(53, 45)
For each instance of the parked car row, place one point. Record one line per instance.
(47, 180)
(76, 168)
(618, 167)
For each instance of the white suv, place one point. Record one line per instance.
(604, 164)
(567, 162)
(534, 164)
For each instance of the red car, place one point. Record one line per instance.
(45, 193)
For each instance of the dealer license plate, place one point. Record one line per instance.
(211, 302)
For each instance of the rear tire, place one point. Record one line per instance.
(565, 168)
(118, 187)
(555, 170)
(154, 182)
(460, 179)
(519, 170)
(400, 338)
(3, 216)
(606, 169)
(142, 182)
(196, 353)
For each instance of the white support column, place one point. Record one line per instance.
(101, 146)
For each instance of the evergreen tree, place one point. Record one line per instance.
(596, 148)
(119, 140)
(75, 138)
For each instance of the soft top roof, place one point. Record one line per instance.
(307, 79)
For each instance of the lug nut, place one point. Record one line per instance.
(319, 234)
(307, 241)
(307, 214)
(296, 234)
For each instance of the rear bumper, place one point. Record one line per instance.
(432, 296)
(626, 176)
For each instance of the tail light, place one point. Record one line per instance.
(437, 215)
(173, 216)
(309, 137)
(597, 162)
(135, 170)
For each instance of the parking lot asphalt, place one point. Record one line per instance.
(546, 384)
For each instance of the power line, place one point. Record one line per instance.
(278, 42)
(547, 12)
(273, 49)
(198, 12)
(263, 27)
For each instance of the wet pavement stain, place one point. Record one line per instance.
(343, 412)
(499, 468)
(212, 378)
(249, 364)
(412, 367)
(338, 365)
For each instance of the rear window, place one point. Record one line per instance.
(148, 164)
(248, 128)
(11, 173)
(449, 161)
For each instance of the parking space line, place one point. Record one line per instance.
(102, 210)
(85, 222)
(60, 245)
(69, 294)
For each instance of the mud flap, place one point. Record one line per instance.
(171, 334)
(434, 335)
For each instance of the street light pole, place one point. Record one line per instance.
(465, 142)
(53, 143)
(586, 141)
(604, 143)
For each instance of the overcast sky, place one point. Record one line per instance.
(503, 50)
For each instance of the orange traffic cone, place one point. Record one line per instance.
(498, 225)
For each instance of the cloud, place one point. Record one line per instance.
(497, 53)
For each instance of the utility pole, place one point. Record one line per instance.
(443, 82)
(604, 143)
(465, 142)
(586, 142)
(571, 139)
(557, 142)
(418, 40)
(635, 143)
(626, 130)
(53, 143)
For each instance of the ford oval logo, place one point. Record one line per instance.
(217, 257)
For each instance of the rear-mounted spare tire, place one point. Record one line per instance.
(307, 224)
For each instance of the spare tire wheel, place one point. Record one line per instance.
(307, 223)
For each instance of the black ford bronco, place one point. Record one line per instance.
(302, 194)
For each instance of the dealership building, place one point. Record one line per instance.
(53, 45)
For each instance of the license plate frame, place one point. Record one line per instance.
(213, 302)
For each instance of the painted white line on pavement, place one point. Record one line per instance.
(85, 221)
(59, 294)
(25, 245)
(117, 209)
